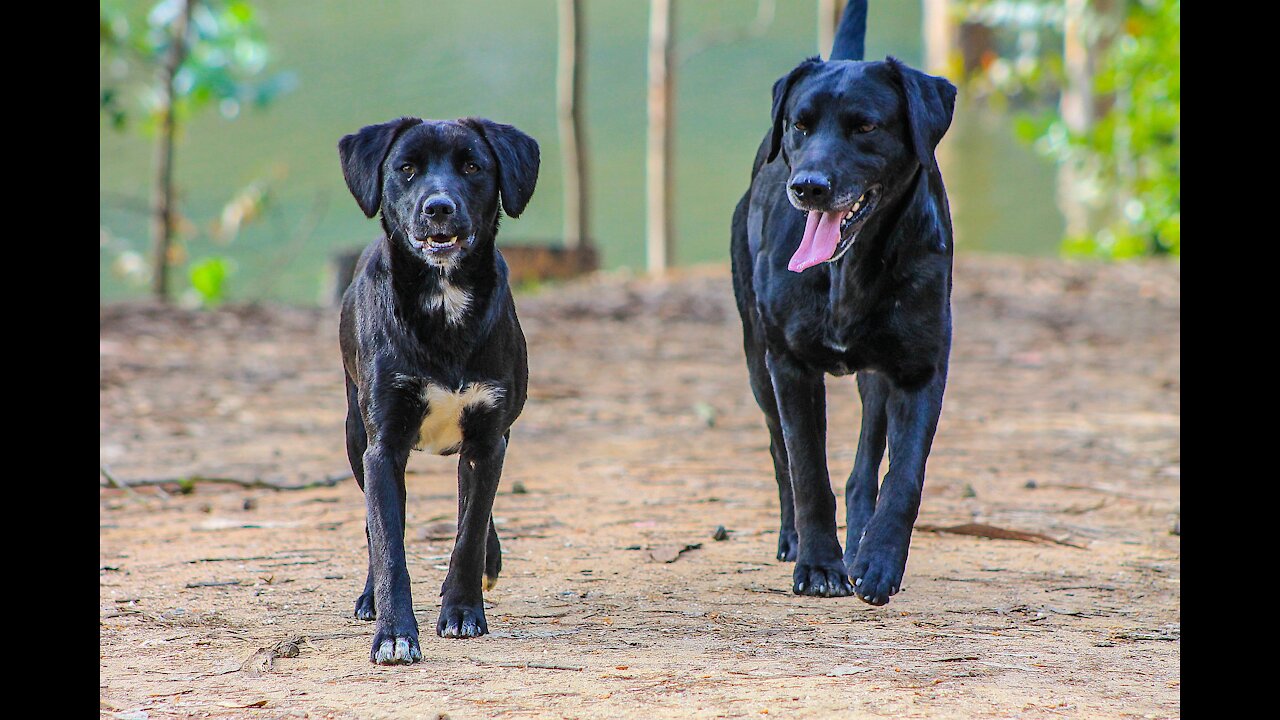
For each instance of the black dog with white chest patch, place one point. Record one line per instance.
(841, 256)
(434, 356)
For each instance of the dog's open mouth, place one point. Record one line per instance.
(829, 235)
(435, 243)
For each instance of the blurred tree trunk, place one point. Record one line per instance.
(573, 146)
(828, 17)
(941, 39)
(162, 191)
(659, 237)
(940, 36)
(1089, 28)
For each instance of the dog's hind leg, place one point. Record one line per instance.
(357, 442)
(493, 548)
(864, 482)
(881, 560)
(801, 395)
(762, 388)
(462, 602)
(492, 557)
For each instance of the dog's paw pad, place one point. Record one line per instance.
(395, 650)
(462, 621)
(821, 580)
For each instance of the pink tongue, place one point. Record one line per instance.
(821, 235)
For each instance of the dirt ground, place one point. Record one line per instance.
(639, 439)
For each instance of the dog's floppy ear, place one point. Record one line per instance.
(931, 101)
(780, 91)
(362, 154)
(518, 161)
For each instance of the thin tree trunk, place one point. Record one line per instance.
(659, 240)
(573, 147)
(939, 36)
(828, 17)
(1089, 28)
(162, 194)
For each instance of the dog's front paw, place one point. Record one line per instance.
(395, 647)
(462, 621)
(821, 579)
(365, 608)
(877, 572)
(788, 545)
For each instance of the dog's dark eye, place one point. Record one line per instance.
(469, 168)
(407, 169)
(866, 127)
(800, 126)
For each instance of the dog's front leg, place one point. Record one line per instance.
(395, 639)
(802, 405)
(878, 567)
(864, 481)
(462, 601)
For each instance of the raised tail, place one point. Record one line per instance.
(851, 34)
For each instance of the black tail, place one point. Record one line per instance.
(851, 33)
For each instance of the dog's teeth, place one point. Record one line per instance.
(849, 215)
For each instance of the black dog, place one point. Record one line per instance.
(842, 263)
(434, 355)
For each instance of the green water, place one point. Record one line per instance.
(361, 63)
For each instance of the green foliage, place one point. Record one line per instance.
(209, 279)
(1024, 68)
(224, 63)
(1128, 164)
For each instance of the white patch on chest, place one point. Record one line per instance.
(441, 431)
(450, 299)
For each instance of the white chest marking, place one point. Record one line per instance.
(441, 431)
(451, 299)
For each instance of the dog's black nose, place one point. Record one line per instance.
(438, 205)
(810, 186)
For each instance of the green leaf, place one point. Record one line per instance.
(209, 277)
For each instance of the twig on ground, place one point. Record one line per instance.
(326, 481)
(528, 664)
(112, 480)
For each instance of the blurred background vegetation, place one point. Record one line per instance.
(1066, 136)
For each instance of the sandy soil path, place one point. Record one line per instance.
(639, 439)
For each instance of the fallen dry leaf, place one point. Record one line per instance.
(669, 553)
(995, 533)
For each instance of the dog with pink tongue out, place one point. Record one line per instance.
(842, 259)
